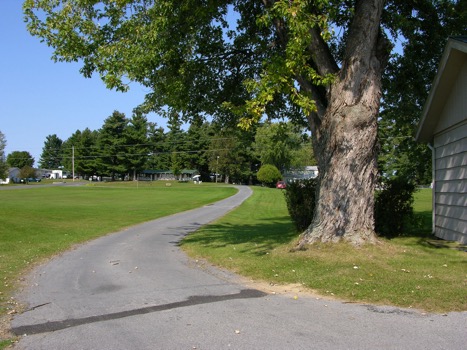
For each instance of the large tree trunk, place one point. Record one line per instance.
(345, 136)
(346, 152)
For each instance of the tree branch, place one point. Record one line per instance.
(320, 53)
(226, 54)
(314, 119)
(324, 63)
(363, 36)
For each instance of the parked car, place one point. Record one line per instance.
(33, 179)
(281, 184)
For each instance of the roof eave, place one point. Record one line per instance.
(440, 89)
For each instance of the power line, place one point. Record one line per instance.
(158, 144)
(94, 156)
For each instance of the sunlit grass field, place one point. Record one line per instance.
(39, 222)
(256, 240)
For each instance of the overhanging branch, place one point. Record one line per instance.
(321, 54)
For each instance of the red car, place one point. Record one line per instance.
(281, 184)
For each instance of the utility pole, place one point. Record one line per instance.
(217, 167)
(73, 161)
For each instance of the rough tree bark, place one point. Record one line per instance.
(345, 132)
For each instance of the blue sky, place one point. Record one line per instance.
(39, 97)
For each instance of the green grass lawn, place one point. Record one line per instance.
(255, 241)
(40, 222)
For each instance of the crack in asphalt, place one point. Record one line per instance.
(191, 301)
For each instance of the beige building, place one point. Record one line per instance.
(444, 127)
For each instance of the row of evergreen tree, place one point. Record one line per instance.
(124, 147)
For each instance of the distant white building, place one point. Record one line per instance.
(13, 173)
(58, 174)
(306, 172)
(41, 173)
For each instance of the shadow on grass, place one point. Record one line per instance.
(421, 227)
(421, 230)
(269, 234)
(256, 239)
(418, 226)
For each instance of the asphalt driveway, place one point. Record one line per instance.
(135, 289)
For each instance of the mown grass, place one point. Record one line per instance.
(256, 240)
(39, 222)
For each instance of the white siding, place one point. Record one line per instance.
(455, 199)
(455, 109)
(444, 125)
(451, 183)
(450, 143)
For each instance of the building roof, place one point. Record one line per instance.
(155, 172)
(460, 38)
(454, 55)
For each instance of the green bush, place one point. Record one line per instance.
(27, 171)
(268, 174)
(301, 201)
(394, 207)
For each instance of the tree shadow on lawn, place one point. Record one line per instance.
(421, 229)
(419, 226)
(268, 234)
(257, 239)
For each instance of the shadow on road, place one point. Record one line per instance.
(194, 300)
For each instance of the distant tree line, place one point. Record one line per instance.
(123, 147)
(18, 159)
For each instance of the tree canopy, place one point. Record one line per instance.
(319, 63)
(280, 144)
(20, 159)
(424, 29)
(51, 157)
(123, 147)
(208, 58)
(268, 174)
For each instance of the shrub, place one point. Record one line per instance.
(301, 201)
(394, 207)
(268, 174)
(27, 171)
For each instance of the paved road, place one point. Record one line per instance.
(136, 290)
